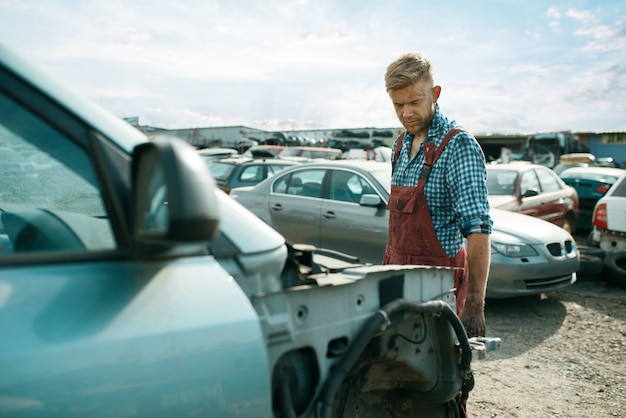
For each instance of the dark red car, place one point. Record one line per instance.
(533, 190)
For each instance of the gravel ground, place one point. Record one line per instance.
(563, 354)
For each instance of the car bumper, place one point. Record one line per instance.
(512, 277)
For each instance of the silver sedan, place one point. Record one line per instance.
(341, 206)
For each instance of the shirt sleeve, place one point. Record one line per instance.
(468, 184)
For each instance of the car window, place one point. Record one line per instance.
(301, 183)
(50, 200)
(529, 182)
(221, 171)
(344, 186)
(251, 174)
(348, 186)
(619, 188)
(275, 168)
(549, 180)
(501, 182)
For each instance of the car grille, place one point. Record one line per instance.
(548, 283)
(559, 249)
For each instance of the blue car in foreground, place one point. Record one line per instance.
(131, 287)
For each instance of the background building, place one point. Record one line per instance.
(601, 144)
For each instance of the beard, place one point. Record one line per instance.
(419, 123)
(416, 127)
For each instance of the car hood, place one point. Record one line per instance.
(525, 228)
(497, 201)
(246, 231)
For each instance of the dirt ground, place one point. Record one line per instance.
(563, 354)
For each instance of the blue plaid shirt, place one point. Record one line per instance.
(456, 191)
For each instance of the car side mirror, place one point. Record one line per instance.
(173, 195)
(530, 193)
(370, 200)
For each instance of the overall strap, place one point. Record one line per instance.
(396, 154)
(431, 155)
(430, 163)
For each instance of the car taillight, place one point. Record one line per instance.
(599, 217)
(602, 189)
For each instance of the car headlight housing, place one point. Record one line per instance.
(513, 250)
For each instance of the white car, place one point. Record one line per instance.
(609, 231)
(609, 218)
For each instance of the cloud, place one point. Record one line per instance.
(583, 16)
(605, 37)
(300, 64)
(553, 12)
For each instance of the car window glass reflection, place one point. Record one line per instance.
(49, 196)
(501, 183)
(620, 189)
(306, 183)
(344, 186)
(529, 182)
(253, 173)
(548, 180)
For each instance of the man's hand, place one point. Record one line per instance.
(478, 257)
(473, 318)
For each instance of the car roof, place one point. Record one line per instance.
(237, 160)
(608, 171)
(305, 147)
(218, 151)
(514, 166)
(577, 157)
(267, 146)
(367, 165)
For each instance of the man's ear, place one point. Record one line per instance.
(436, 93)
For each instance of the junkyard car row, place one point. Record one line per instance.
(342, 205)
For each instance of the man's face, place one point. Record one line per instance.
(415, 106)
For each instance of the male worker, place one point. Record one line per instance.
(438, 190)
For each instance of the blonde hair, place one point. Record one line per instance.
(407, 70)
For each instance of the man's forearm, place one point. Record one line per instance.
(479, 258)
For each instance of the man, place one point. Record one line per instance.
(438, 190)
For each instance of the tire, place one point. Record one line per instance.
(590, 269)
(615, 265)
(591, 250)
(589, 239)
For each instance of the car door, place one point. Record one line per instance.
(530, 195)
(555, 199)
(86, 329)
(294, 205)
(348, 226)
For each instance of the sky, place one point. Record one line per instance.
(505, 67)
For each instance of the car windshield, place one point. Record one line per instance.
(221, 171)
(501, 182)
(384, 178)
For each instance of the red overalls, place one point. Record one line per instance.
(411, 237)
